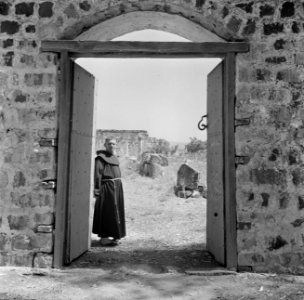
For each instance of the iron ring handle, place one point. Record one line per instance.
(201, 125)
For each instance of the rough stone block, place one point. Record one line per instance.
(268, 176)
(289, 75)
(274, 155)
(293, 157)
(245, 259)
(28, 45)
(199, 3)
(287, 9)
(266, 10)
(246, 243)
(299, 58)
(24, 8)
(275, 59)
(279, 44)
(277, 243)
(8, 58)
(244, 74)
(247, 7)
(281, 116)
(42, 260)
(21, 242)
(33, 199)
(46, 9)
(28, 60)
(4, 8)
(7, 43)
(300, 202)
(298, 176)
(295, 27)
(30, 29)
(297, 222)
(3, 179)
(42, 242)
(20, 98)
(33, 79)
(234, 24)
(4, 242)
(284, 201)
(265, 198)
(44, 218)
(244, 225)
(85, 5)
(273, 28)
(44, 97)
(19, 179)
(71, 12)
(3, 79)
(280, 95)
(24, 259)
(249, 28)
(5, 259)
(263, 74)
(18, 222)
(10, 27)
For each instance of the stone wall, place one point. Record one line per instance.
(270, 188)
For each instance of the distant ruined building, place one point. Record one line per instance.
(131, 143)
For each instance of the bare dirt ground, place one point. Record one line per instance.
(162, 257)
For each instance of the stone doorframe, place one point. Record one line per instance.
(75, 49)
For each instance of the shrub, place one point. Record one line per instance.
(196, 145)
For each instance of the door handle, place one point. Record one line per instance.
(201, 125)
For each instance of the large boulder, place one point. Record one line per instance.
(188, 183)
(151, 164)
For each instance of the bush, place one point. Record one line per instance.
(161, 147)
(196, 145)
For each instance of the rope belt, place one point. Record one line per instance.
(110, 179)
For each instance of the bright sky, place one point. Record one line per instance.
(166, 97)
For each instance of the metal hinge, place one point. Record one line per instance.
(242, 160)
(44, 142)
(242, 122)
(49, 184)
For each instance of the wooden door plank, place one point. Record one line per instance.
(64, 108)
(215, 165)
(80, 162)
(230, 183)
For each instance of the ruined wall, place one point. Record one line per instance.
(130, 142)
(270, 190)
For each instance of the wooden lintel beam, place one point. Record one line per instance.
(143, 48)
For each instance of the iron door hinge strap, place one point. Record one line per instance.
(242, 122)
(45, 142)
(242, 160)
(49, 184)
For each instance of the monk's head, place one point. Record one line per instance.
(111, 145)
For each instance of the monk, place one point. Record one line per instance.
(109, 215)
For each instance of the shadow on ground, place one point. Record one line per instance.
(154, 259)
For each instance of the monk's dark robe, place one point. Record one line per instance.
(109, 214)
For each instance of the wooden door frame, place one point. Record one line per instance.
(75, 49)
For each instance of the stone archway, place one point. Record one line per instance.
(209, 45)
(135, 21)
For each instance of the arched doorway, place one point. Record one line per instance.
(221, 214)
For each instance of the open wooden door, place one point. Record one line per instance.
(215, 165)
(80, 170)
